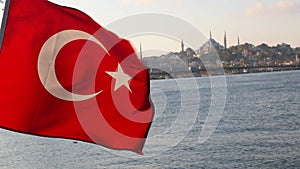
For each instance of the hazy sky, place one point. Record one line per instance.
(254, 21)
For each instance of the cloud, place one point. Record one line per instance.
(281, 7)
(285, 7)
(259, 7)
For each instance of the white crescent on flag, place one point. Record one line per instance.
(46, 63)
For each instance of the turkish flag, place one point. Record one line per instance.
(63, 75)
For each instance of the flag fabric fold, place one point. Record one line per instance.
(63, 75)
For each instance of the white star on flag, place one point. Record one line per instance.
(122, 79)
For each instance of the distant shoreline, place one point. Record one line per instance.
(159, 74)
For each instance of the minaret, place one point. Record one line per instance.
(141, 52)
(182, 46)
(225, 41)
(238, 39)
(210, 35)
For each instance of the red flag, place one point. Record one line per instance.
(63, 75)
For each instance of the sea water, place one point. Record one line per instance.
(236, 121)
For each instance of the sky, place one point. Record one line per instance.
(253, 21)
